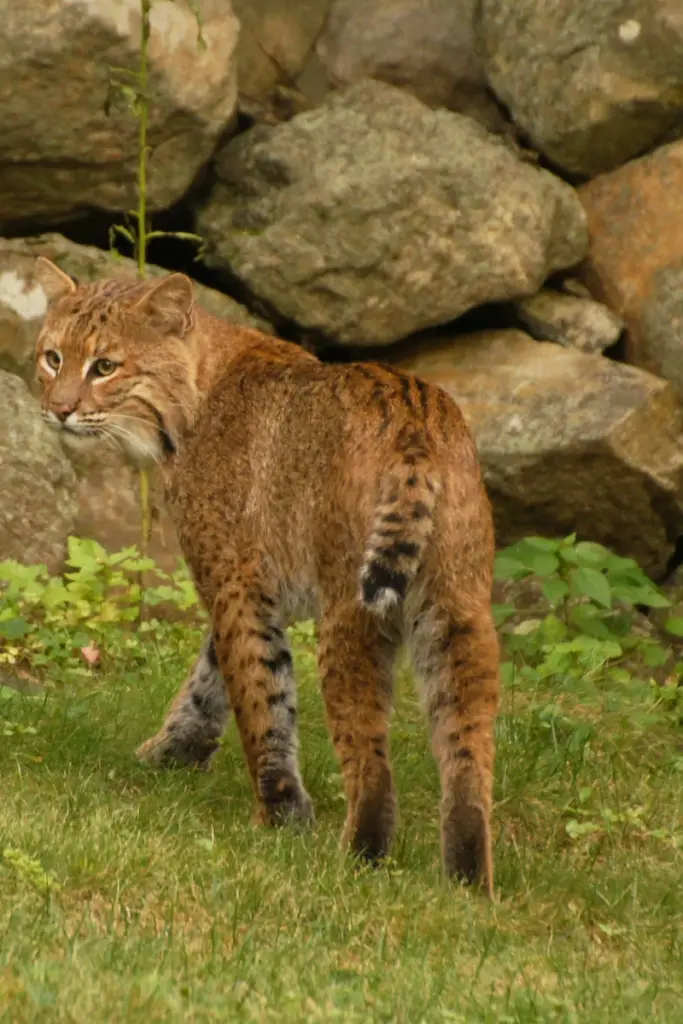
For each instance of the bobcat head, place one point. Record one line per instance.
(113, 362)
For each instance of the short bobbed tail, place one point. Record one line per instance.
(403, 523)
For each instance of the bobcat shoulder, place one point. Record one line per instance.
(349, 492)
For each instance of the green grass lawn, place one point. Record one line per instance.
(168, 905)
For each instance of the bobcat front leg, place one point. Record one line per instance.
(197, 718)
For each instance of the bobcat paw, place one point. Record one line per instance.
(169, 749)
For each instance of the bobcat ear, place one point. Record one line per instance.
(169, 305)
(54, 281)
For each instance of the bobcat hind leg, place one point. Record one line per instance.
(456, 656)
(356, 668)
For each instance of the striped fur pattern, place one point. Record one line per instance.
(403, 522)
(349, 492)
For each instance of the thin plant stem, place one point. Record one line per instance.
(142, 108)
(146, 512)
(140, 236)
(143, 114)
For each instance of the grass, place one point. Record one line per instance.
(127, 895)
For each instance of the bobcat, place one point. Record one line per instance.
(348, 492)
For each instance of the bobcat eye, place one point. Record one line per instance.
(103, 367)
(53, 359)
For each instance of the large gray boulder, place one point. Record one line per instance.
(373, 216)
(38, 507)
(635, 260)
(425, 48)
(275, 56)
(591, 82)
(67, 142)
(568, 441)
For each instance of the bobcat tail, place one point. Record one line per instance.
(403, 523)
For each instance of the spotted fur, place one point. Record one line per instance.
(348, 492)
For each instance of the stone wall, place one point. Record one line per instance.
(369, 178)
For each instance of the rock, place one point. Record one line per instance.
(68, 143)
(427, 49)
(635, 260)
(574, 286)
(373, 216)
(23, 301)
(592, 84)
(275, 46)
(568, 441)
(108, 506)
(569, 320)
(106, 489)
(38, 508)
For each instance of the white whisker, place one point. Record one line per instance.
(184, 406)
(139, 446)
(118, 434)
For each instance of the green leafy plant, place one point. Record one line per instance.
(29, 870)
(589, 620)
(590, 820)
(89, 613)
(586, 630)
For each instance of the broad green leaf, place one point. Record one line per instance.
(675, 626)
(10, 570)
(627, 568)
(542, 544)
(619, 623)
(553, 630)
(587, 619)
(538, 560)
(654, 655)
(568, 556)
(55, 596)
(585, 582)
(619, 675)
(508, 568)
(542, 563)
(86, 553)
(591, 553)
(598, 648)
(14, 629)
(138, 564)
(555, 591)
(529, 674)
(645, 595)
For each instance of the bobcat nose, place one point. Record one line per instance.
(63, 409)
